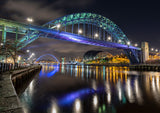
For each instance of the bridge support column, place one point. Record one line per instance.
(145, 51)
(133, 55)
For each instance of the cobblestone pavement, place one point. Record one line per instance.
(9, 102)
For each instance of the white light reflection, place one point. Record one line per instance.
(138, 92)
(87, 72)
(108, 91)
(30, 88)
(77, 106)
(82, 71)
(119, 90)
(76, 69)
(94, 85)
(54, 107)
(157, 82)
(109, 97)
(95, 101)
(155, 93)
(54, 110)
(129, 91)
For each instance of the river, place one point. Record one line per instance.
(92, 89)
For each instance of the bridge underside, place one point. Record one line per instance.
(133, 55)
(84, 40)
(132, 52)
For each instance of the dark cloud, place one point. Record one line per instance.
(41, 10)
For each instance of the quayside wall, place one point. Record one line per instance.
(9, 100)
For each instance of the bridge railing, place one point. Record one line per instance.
(9, 66)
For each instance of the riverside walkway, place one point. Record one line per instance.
(9, 101)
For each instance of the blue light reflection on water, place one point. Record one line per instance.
(71, 97)
(111, 88)
(49, 74)
(56, 69)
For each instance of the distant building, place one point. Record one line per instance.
(63, 60)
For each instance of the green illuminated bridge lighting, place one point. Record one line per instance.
(84, 28)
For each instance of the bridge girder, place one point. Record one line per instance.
(91, 18)
(33, 32)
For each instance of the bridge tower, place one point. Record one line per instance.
(145, 51)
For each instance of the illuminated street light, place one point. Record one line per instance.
(58, 26)
(33, 54)
(136, 45)
(30, 20)
(1, 44)
(27, 51)
(19, 58)
(96, 35)
(152, 49)
(119, 41)
(156, 50)
(109, 38)
(80, 31)
(128, 43)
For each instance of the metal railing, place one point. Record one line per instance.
(9, 66)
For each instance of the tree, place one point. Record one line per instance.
(11, 48)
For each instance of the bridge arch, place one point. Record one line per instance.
(91, 18)
(47, 55)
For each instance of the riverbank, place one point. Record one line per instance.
(136, 67)
(145, 67)
(9, 101)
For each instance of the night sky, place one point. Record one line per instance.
(139, 20)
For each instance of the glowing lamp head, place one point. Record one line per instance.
(27, 51)
(1, 44)
(96, 35)
(128, 43)
(33, 54)
(136, 45)
(156, 50)
(152, 49)
(109, 38)
(58, 26)
(19, 57)
(119, 41)
(80, 31)
(29, 19)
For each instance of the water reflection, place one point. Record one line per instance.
(92, 89)
(95, 101)
(50, 70)
(54, 107)
(77, 106)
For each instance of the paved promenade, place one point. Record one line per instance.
(9, 101)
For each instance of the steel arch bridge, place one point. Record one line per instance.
(95, 30)
(91, 19)
(47, 55)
